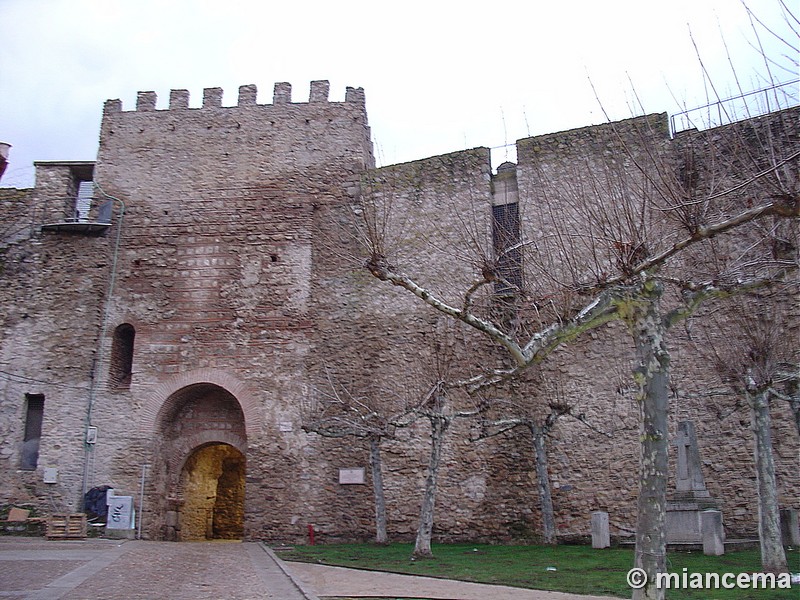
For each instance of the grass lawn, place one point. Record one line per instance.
(576, 569)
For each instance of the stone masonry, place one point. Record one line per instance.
(193, 328)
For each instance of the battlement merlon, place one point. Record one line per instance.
(212, 97)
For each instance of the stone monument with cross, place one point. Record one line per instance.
(690, 498)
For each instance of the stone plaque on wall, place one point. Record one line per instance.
(351, 476)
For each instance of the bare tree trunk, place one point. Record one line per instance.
(773, 557)
(793, 389)
(381, 537)
(652, 375)
(422, 547)
(795, 404)
(543, 484)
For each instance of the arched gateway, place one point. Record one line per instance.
(212, 486)
(199, 464)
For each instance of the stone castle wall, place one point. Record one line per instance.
(52, 296)
(236, 257)
(555, 173)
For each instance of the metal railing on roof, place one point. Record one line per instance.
(737, 108)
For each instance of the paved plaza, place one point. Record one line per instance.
(39, 569)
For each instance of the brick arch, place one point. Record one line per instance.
(162, 397)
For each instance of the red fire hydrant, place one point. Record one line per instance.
(311, 534)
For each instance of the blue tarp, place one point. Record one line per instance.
(94, 502)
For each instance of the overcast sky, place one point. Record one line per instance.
(439, 76)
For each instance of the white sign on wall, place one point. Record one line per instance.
(50, 475)
(351, 476)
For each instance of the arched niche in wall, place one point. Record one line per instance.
(121, 364)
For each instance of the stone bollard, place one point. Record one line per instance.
(600, 535)
(713, 533)
(790, 531)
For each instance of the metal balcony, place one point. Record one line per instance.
(82, 218)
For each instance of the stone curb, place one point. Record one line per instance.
(286, 571)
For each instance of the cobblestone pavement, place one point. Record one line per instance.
(37, 569)
(92, 569)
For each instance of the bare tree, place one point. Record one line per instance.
(335, 411)
(618, 222)
(630, 216)
(625, 223)
(752, 358)
(790, 377)
(440, 409)
(536, 407)
(434, 408)
(694, 219)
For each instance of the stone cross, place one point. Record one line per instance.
(690, 476)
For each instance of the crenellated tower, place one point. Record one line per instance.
(241, 143)
(216, 296)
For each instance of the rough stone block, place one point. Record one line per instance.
(247, 94)
(355, 95)
(212, 97)
(282, 93)
(790, 530)
(600, 533)
(178, 99)
(112, 106)
(319, 91)
(713, 533)
(146, 101)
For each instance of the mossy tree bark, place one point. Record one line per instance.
(652, 376)
(543, 483)
(422, 546)
(381, 536)
(773, 557)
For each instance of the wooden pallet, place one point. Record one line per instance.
(61, 527)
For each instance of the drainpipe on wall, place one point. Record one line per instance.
(88, 447)
(141, 502)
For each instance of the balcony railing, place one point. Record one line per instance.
(69, 215)
(737, 108)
